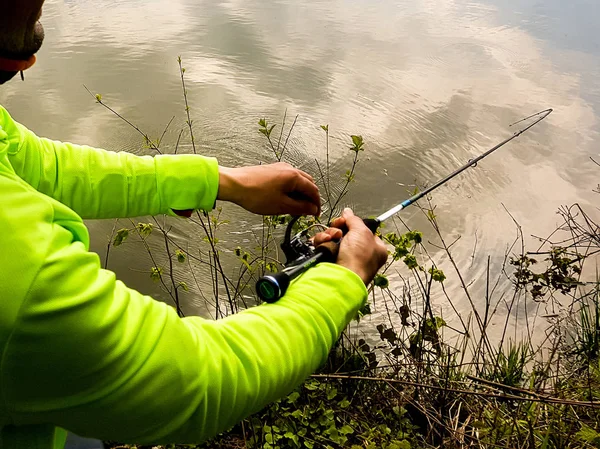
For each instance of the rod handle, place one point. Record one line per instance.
(371, 223)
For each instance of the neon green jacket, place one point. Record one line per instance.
(81, 351)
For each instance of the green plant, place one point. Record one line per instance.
(419, 371)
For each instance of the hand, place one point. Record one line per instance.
(360, 250)
(273, 189)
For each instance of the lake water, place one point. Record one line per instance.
(428, 84)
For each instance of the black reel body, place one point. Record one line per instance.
(296, 248)
(299, 253)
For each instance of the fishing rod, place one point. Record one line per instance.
(301, 255)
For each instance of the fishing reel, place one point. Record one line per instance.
(300, 255)
(297, 248)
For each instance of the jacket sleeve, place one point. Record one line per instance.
(90, 355)
(97, 183)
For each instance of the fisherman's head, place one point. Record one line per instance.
(21, 35)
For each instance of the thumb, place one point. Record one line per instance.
(352, 221)
(347, 213)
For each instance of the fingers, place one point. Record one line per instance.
(308, 190)
(307, 176)
(289, 205)
(339, 223)
(327, 236)
(381, 251)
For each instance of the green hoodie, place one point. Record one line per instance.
(81, 351)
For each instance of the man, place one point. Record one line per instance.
(81, 351)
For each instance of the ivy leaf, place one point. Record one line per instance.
(293, 397)
(312, 386)
(345, 430)
(332, 394)
(292, 436)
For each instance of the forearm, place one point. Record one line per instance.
(114, 364)
(103, 184)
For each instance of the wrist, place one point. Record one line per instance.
(356, 268)
(227, 184)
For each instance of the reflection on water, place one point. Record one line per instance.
(429, 84)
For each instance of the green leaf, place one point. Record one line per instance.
(325, 128)
(344, 403)
(346, 430)
(415, 236)
(312, 386)
(180, 256)
(156, 273)
(270, 129)
(411, 261)
(292, 436)
(99, 98)
(121, 236)
(381, 281)
(245, 262)
(331, 394)
(293, 397)
(184, 286)
(262, 122)
(437, 275)
(357, 141)
(145, 229)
